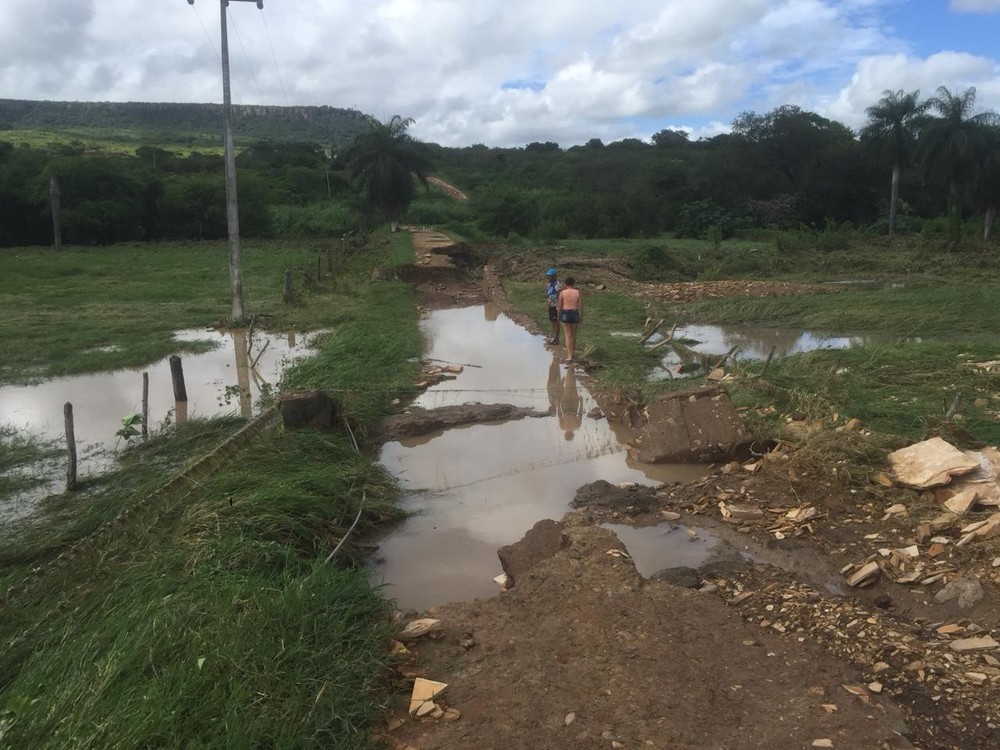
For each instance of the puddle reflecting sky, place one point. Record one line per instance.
(755, 342)
(477, 488)
(101, 400)
(666, 545)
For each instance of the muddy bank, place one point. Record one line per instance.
(583, 653)
(424, 421)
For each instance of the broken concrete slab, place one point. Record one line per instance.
(930, 463)
(542, 541)
(634, 498)
(424, 691)
(698, 425)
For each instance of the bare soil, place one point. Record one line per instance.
(774, 650)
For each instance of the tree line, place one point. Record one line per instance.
(917, 164)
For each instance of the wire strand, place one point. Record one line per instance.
(207, 35)
(232, 22)
(274, 57)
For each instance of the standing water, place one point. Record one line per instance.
(230, 378)
(474, 489)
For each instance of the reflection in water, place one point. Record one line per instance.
(751, 342)
(101, 400)
(656, 548)
(570, 405)
(476, 488)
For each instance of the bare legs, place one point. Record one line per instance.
(555, 331)
(569, 337)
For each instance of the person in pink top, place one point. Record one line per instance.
(570, 309)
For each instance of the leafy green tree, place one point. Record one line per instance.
(950, 145)
(385, 161)
(987, 187)
(890, 134)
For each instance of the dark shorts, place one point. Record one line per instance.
(570, 316)
(553, 314)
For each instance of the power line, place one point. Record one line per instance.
(246, 57)
(207, 35)
(274, 57)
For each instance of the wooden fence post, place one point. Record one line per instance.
(56, 221)
(70, 447)
(177, 376)
(145, 405)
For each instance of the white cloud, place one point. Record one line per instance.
(875, 75)
(975, 6)
(503, 72)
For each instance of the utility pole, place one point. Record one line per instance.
(232, 206)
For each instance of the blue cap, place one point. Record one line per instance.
(551, 272)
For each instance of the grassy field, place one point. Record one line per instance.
(207, 617)
(88, 309)
(929, 334)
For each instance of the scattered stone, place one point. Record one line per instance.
(595, 413)
(419, 628)
(875, 687)
(976, 678)
(961, 503)
(974, 644)
(424, 691)
(569, 718)
(801, 515)
(936, 549)
(503, 581)
(930, 463)
(864, 576)
(739, 512)
(950, 629)
(967, 590)
(822, 743)
(452, 714)
(669, 515)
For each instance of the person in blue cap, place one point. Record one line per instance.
(552, 288)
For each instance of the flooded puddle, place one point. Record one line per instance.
(666, 545)
(751, 342)
(474, 489)
(220, 381)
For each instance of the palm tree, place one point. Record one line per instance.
(384, 161)
(949, 143)
(987, 189)
(891, 134)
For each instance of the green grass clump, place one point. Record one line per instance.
(205, 616)
(22, 461)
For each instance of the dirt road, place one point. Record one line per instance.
(772, 650)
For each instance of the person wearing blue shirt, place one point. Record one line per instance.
(552, 288)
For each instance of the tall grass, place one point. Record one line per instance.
(206, 617)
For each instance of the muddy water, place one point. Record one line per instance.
(666, 545)
(220, 381)
(753, 343)
(477, 488)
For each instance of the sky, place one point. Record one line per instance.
(509, 72)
